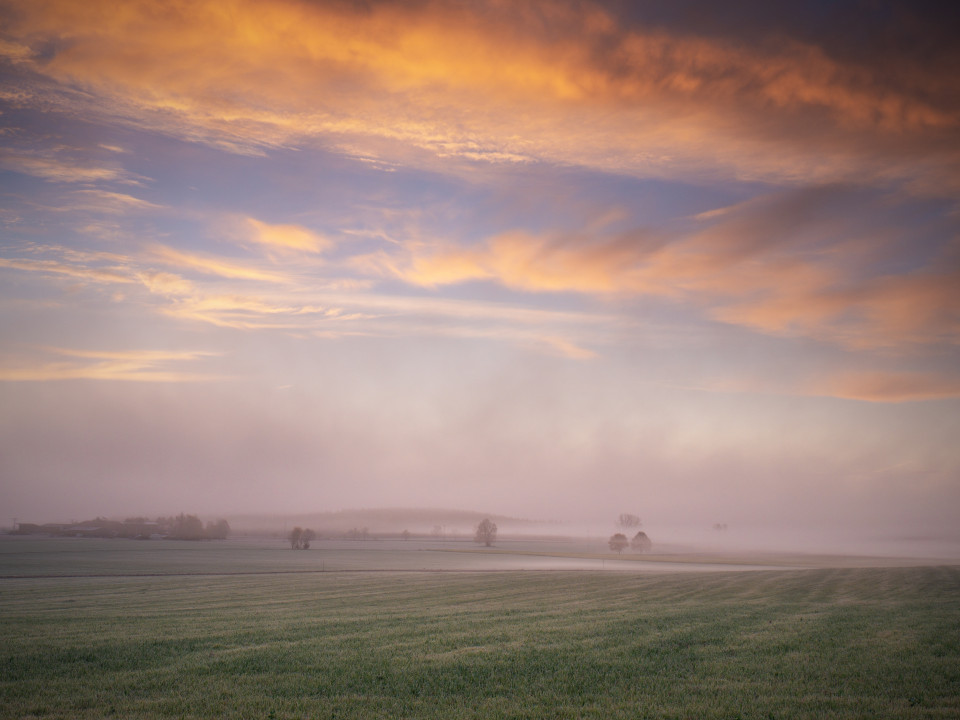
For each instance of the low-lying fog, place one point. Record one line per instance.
(457, 527)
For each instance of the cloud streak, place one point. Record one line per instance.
(60, 169)
(214, 265)
(111, 203)
(889, 387)
(137, 366)
(52, 267)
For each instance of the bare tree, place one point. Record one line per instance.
(628, 520)
(305, 539)
(486, 532)
(640, 542)
(618, 542)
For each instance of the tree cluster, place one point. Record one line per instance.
(639, 543)
(300, 538)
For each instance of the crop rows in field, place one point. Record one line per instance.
(785, 644)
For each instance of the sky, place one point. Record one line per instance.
(558, 259)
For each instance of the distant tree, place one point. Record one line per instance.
(628, 520)
(296, 538)
(217, 530)
(187, 527)
(306, 537)
(486, 532)
(618, 542)
(405, 534)
(640, 542)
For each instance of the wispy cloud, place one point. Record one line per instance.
(214, 265)
(164, 283)
(248, 313)
(211, 290)
(565, 348)
(140, 366)
(62, 169)
(52, 267)
(112, 203)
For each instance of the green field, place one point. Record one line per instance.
(110, 633)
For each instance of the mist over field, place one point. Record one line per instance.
(139, 451)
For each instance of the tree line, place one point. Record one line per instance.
(176, 527)
(190, 527)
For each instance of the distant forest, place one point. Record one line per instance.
(179, 527)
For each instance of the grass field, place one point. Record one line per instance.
(799, 643)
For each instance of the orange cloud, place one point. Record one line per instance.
(602, 265)
(893, 387)
(923, 307)
(752, 265)
(520, 260)
(562, 82)
(286, 239)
